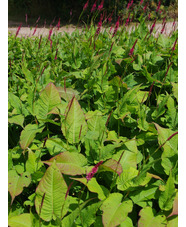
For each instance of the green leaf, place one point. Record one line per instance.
(55, 146)
(112, 165)
(32, 164)
(70, 219)
(93, 186)
(15, 102)
(160, 109)
(50, 194)
(68, 93)
(114, 210)
(125, 180)
(175, 206)
(167, 197)
(16, 119)
(28, 135)
(48, 99)
(74, 126)
(23, 220)
(16, 183)
(148, 218)
(70, 163)
(88, 214)
(28, 75)
(175, 90)
(173, 222)
(127, 223)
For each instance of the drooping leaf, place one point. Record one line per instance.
(16, 183)
(149, 218)
(93, 186)
(167, 196)
(175, 206)
(48, 99)
(74, 126)
(28, 75)
(15, 102)
(22, 220)
(28, 134)
(50, 194)
(70, 163)
(16, 119)
(160, 109)
(114, 210)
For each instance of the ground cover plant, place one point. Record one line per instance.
(93, 126)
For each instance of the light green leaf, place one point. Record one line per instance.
(114, 210)
(28, 135)
(175, 90)
(22, 220)
(167, 197)
(148, 218)
(17, 182)
(50, 194)
(70, 163)
(74, 126)
(127, 223)
(32, 164)
(28, 75)
(55, 146)
(15, 102)
(48, 99)
(173, 222)
(93, 186)
(16, 119)
(160, 109)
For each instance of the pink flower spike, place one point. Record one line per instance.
(128, 20)
(94, 7)
(50, 33)
(58, 24)
(145, 7)
(17, 32)
(173, 48)
(99, 25)
(85, 6)
(162, 30)
(26, 17)
(152, 27)
(38, 19)
(93, 171)
(116, 27)
(132, 49)
(158, 7)
(35, 30)
(50, 43)
(100, 6)
(56, 54)
(141, 2)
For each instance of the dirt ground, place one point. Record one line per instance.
(26, 31)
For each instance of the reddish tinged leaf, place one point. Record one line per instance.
(70, 163)
(175, 207)
(113, 165)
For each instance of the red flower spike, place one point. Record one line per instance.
(17, 32)
(50, 33)
(173, 48)
(116, 27)
(152, 27)
(100, 7)
(85, 6)
(132, 49)
(141, 2)
(158, 7)
(94, 7)
(162, 30)
(99, 25)
(58, 24)
(35, 30)
(93, 171)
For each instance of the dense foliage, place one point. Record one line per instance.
(93, 120)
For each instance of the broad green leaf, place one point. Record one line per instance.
(93, 186)
(28, 75)
(28, 135)
(88, 214)
(50, 194)
(147, 193)
(16, 183)
(70, 163)
(15, 102)
(32, 164)
(22, 220)
(71, 218)
(68, 93)
(173, 222)
(167, 197)
(127, 223)
(48, 99)
(175, 206)
(74, 126)
(142, 123)
(149, 218)
(16, 119)
(114, 210)
(125, 179)
(160, 109)
(175, 90)
(55, 146)
(172, 112)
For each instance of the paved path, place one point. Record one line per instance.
(25, 31)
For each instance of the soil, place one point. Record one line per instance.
(44, 31)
